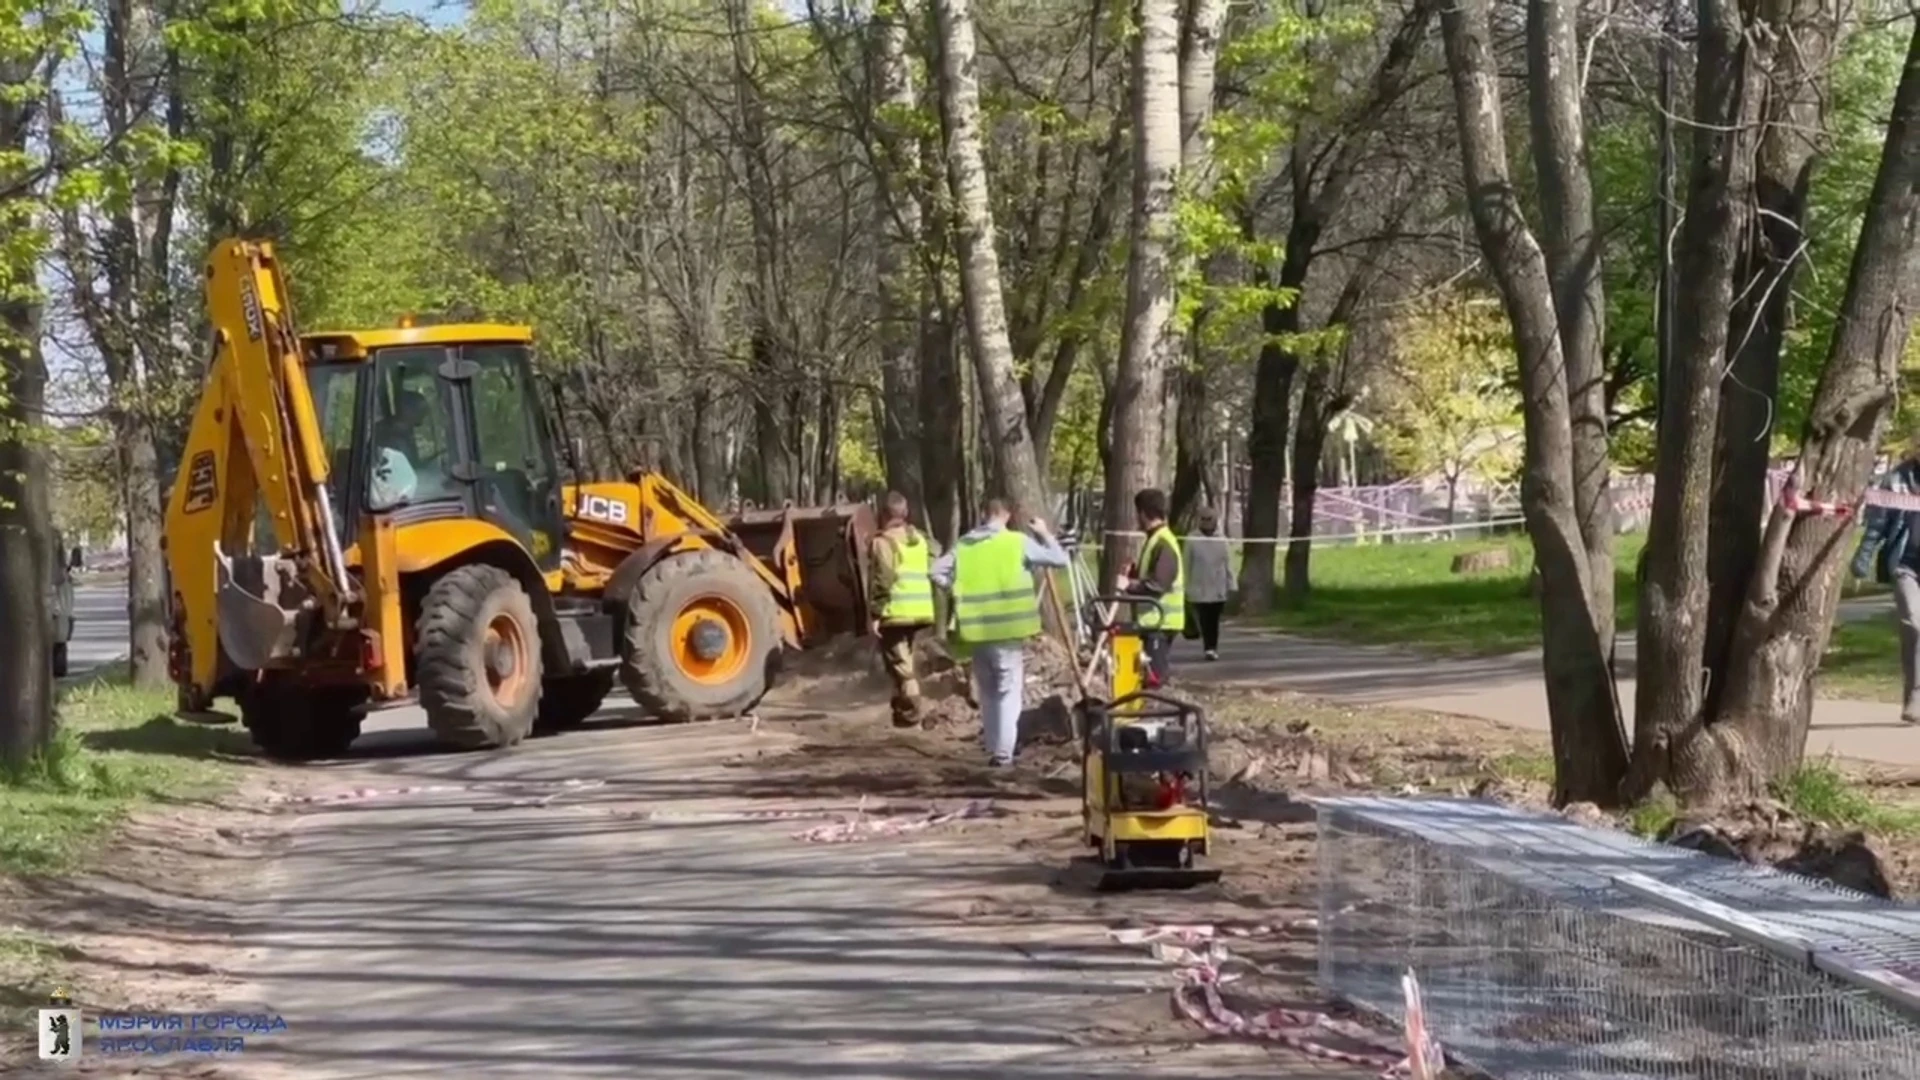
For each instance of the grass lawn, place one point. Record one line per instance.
(1408, 594)
(1863, 661)
(116, 748)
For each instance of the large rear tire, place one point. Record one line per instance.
(296, 723)
(478, 658)
(702, 633)
(567, 702)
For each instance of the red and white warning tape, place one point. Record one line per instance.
(862, 827)
(1797, 503)
(1197, 997)
(361, 794)
(844, 826)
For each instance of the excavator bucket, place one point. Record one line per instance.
(828, 546)
(255, 626)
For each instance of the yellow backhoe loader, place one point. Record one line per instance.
(371, 518)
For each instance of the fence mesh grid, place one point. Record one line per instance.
(1534, 962)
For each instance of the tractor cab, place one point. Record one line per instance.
(425, 423)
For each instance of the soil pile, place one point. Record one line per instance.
(1771, 834)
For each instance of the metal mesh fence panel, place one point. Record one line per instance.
(1547, 949)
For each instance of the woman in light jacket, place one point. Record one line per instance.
(1209, 580)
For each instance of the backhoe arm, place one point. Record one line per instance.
(255, 439)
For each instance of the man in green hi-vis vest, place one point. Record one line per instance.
(900, 596)
(1161, 573)
(996, 610)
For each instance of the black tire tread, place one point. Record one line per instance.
(650, 677)
(567, 701)
(295, 724)
(459, 708)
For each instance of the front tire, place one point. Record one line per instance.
(478, 658)
(702, 634)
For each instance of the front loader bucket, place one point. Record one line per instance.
(254, 626)
(829, 545)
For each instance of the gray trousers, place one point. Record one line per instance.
(1906, 606)
(999, 679)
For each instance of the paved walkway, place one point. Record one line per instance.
(412, 936)
(1507, 689)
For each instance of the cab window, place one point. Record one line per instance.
(510, 445)
(413, 450)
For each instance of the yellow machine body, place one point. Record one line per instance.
(287, 575)
(1141, 845)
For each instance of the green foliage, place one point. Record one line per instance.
(1819, 792)
(86, 501)
(1450, 408)
(1864, 76)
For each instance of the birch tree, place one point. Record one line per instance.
(1016, 468)
(1150, 343)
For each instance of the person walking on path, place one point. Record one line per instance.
(900, 595)
(1894, 536)
(990, 573)
(1210, 579)
(1160, 573)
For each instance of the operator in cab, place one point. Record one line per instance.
(396, 450)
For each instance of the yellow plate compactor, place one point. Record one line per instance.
(1144, 769)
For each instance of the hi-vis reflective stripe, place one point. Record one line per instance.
(971, 616)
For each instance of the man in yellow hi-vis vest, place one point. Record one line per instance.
(900, 596)
(996, 610)
(1160, 573)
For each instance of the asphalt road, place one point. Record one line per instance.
(99, 626)
(439, 934)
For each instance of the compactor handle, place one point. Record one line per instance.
(1134, 601)
(1154, 705)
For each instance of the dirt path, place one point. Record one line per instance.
(625, 919)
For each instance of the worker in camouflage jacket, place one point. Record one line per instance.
(900, 596)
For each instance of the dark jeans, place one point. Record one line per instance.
(1208, 615)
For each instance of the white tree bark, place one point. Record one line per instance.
(1150, 345)
(1015, 465)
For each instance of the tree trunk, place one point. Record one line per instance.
(1309, 445)
(1732, 67)
(779, 454)
(26, 558)
(1267, 439)
(1759, 730)
(1005, 413)
(1149, 343)
(1589, 746)
(1773, 251)
(897, 234)
(1320, 176)
(942, 444)
(1043, 405)
(1570, 239)
(1192, 439)
(1199, 55)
